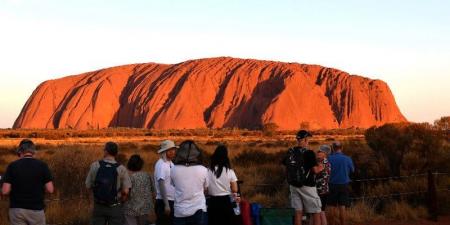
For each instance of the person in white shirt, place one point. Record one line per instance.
(222, 188)
(165, 190)
(190, 179)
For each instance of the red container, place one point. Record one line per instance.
(246, 212)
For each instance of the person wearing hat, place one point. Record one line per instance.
(110, 184)
(322, 179)
(190, 179)
(165, 190)
(26, 180)
(301, 166)
(341, 167)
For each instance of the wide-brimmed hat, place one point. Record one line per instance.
(189, 154)
(166, 145)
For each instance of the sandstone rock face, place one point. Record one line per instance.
(211, 93)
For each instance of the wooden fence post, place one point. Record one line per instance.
(432, 197)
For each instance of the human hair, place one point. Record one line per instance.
(26, 145)
(135, 163)
(337, 147)
(111, 148)
(219, 160)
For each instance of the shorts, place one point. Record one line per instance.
(305, 198)
(339, 195)
(324, 201)
(26, 216)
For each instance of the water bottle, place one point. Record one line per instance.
(235, 205)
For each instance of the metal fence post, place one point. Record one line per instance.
(432, 197)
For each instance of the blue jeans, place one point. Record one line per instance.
(199, 218)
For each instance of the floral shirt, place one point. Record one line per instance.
(323, 178)
(140, 199)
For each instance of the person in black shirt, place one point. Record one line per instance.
(304, 196)
(26, 180)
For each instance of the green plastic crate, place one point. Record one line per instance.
(277, 216)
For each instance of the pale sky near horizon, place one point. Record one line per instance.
(405, 43)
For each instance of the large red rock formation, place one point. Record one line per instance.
(213, 93)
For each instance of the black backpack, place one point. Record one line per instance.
(105, 185)
(295, 171)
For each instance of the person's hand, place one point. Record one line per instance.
(237, 197)
(167, 210)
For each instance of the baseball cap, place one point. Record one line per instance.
(325, 149)
(303, 134)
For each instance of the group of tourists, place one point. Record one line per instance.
(317, 179)
(186, 192)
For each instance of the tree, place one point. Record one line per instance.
(304, 125)
(443, 123)
(390, 143)
(419, 143)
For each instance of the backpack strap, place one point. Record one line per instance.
(104, 163)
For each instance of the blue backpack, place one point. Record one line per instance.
(105, 185)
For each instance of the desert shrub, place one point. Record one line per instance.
(70, 166)
(269, 129)
(255, 157)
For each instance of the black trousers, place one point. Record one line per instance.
(220, 211)
(161, 217)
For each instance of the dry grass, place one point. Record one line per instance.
(404, 211)
(360, 213)
(255, 158)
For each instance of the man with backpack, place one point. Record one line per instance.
(110, 183)
(26, 180)
(301, 167)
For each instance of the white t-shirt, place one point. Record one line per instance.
(221, 186)
(162, 172)
(190, 183)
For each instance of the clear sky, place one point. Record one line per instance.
(405, 43)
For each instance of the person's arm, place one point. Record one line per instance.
(124, 194)
(234, 191)
(351, 165)
(49, 188)
(318, 168)
(48, 180)
(234, 187)
(125, 184)
(311, 162)
(162, 189)
(6, 188)
(90, 177)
